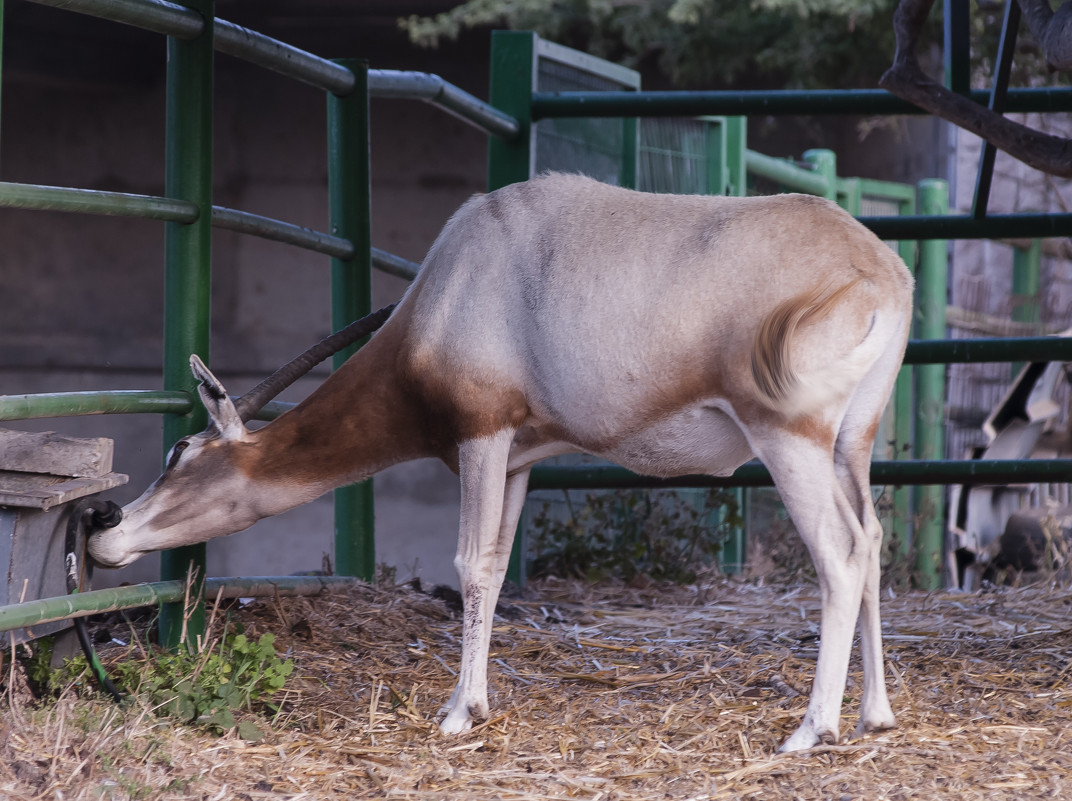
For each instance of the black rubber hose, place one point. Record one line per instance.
(87, 516)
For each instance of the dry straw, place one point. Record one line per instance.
(604, 692)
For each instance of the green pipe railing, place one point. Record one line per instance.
(754, 474)
(92, 201)
(737, 104)
(786, 173)
(93, 602)
(185, 24)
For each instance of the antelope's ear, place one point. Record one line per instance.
(221, 409)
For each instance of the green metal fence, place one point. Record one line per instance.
(513, 53)
(193, 35)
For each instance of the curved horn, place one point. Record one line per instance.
(252, 402)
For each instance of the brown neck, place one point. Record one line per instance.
(361, 420)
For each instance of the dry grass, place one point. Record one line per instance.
(597, 693)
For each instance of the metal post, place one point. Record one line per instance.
(903, 414)
(736, 145)
(1026, 264)
(513, 75)
(957, 45)
(932, 278)
(188, 250)
(349, 189)
(825, 164)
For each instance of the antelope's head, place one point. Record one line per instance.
(208, 488)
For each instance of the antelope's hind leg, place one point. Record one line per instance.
(804, 473)
(491, 507)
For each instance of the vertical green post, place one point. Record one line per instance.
(903, 414)
(1026, 266)
(630, 151)
(850, 195)
(349, 190)
(725, 156)
(957, 40)
(187, 275)
(513, 79)
(825, 164)
(931, 283)
(736, 144)
(513, 76)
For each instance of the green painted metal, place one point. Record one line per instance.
(278, 231)
(736, 156)
(349, 186)
(782, 102)
(91, 201)
(904, 389)
(786, 173)
(187, 273)
(989, 349)
(77, 404)
(964, 226)
(956, 26)
(92, 602)
(998, 93)
(850, 195)
(753, 474)
(433, 89)
(1026, 269)
(824, 162)
(929, 438)
(890, 190)
(513, 69)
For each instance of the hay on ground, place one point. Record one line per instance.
(597, 692)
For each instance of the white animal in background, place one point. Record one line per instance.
(669, 334)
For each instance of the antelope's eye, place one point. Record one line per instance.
(176, 452)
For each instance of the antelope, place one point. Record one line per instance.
(670, 334)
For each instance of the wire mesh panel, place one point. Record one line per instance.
(673, 156)
(600, 148)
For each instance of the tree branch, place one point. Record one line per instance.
(906, 79)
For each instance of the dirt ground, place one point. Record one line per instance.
(597, 692)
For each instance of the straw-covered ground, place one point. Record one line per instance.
(598, 692)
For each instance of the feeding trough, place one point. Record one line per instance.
(41, 475)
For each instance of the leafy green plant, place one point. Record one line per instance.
(233, 674)
(665, 536)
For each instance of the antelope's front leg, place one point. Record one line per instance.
(480, 564)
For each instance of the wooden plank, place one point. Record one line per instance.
(55, 454)
(43, 492)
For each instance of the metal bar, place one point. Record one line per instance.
(957, 50)
(187, 275)
(1, 47)
(278, 231)
(349, 197)
(910, 472)
(964, 226)
(805, 101)
(998, 92)
(929, 435)
(888, 190)
(785, 173)
(989, 349)
(159, 16)
(394, 265)
(264, 51)
(92, 602)
(92, 201)
(77, 404)
(433, 89)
